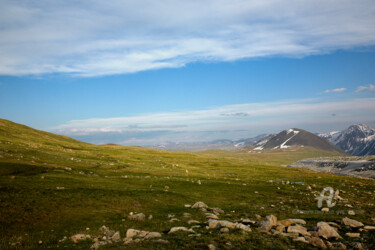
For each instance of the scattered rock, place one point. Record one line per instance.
(353, 235)
(116, 237)
(188, 205)
(180, 229)
(98, 244)
(217, 210)
(338, 245)
(152, 235)
(315, 241)
(138, 217)
(290, 222)
(186, 215)
(161, 241)
(199, 204)
(193, 222)
(211, 247)
(150, 217)
(173, 220)
(351, 212)
(211, 216)
(326, 231)
(351, 223)
(134, 233)
(301, 239)
(369, 227)
(357, 246)
(298, 229)
(78, 237)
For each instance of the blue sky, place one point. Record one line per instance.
(186, 70)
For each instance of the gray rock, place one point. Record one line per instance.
(326, 231)
(193, 222)
(138, 217)
(152, 235)
(180, 229)
(199, 204)
(134, 233)
(265, 226)
(351, 223)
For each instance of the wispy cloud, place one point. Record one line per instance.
(311, 114)
(334, 90)
(370, 88)
(93, 37)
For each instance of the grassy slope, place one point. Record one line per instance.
(96, 193)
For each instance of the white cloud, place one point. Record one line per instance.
(370, 88)
(222, 122)
(334, 90)
(90, 38)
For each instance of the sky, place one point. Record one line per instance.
(149, 72)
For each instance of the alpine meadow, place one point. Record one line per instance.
(187, 124)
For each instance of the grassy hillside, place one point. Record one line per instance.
(52, 186)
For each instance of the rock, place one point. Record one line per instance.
(188, 205)
(351, 212)
(265, 226)
(211, 216)
(186, 215)
(180, 229)
(243, 227)
(258, 217)
(161, 241)
(224, 230)
(326, 231)
(315, 241)
(138, 217)
(211, 247)
(78, 237)
(325, 209)
(298, 229)
(351, 223)
(173, 220)
(280, 228)
(153, 235)
(302, 239)
(39, 242)
(271, 218)
(134, 233)
(353, 235)
(289, 222)
(150, 217)
(338, 245)
(217, 210)
(98, 244)
(193, 222)
(116, 237)
(369, 227)
(199, 204)
(357, 246)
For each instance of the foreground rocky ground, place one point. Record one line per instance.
(324, 234)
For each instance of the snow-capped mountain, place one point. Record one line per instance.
(356, 140)
(293, 137)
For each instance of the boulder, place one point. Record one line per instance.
(351, 223)
(326, 231)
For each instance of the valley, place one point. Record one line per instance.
(53, 187)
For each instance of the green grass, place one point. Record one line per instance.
(34, 163)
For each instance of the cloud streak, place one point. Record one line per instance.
(370, 88)
(92, 38)
(193, 125)
(334, 90)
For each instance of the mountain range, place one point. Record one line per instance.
(356, 140)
